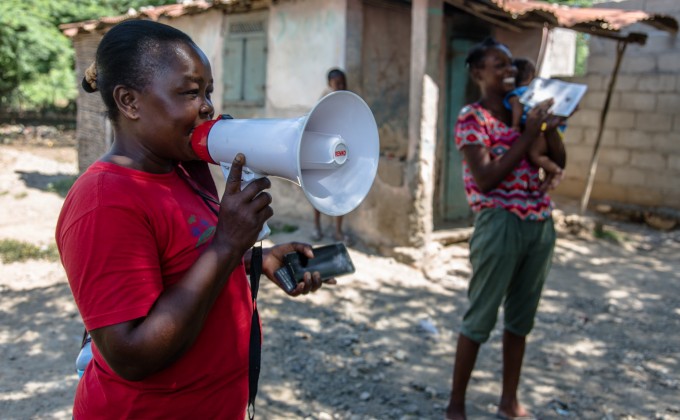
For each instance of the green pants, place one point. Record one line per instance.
(510, 260)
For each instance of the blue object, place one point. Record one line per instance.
(84, 357)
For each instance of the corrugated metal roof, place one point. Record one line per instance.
(524, 14)
(510, 14)
(170, 11)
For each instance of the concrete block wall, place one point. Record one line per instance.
(639, 160)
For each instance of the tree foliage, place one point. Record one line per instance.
(36, 59)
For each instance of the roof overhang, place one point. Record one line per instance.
(518, 15)
(168, 12)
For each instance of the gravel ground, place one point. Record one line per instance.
(380, 344)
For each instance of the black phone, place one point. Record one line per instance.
(329, 260)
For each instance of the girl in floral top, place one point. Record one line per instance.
(512, 246)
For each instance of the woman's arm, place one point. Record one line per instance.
(144, 346)
(487, 172)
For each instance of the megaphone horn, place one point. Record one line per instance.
(331, 152)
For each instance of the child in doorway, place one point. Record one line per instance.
(336, 81)
(526, 71)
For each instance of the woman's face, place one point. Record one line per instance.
(496, 74)
(174, 103)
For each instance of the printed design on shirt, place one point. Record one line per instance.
(201, 229)
(519, 191)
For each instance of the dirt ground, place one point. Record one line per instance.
(380, 344)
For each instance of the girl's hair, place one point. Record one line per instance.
(333, 73)
(478, 52)
(131, 54)
(525, 68)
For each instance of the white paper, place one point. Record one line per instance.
(566, 95)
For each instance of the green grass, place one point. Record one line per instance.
(609, 235)
(12, 250)
(282, 228)
(62, 186)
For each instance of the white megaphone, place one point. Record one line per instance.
(331, 152)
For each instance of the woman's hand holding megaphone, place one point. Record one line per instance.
(242, 212)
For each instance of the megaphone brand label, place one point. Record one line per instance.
(340, 155)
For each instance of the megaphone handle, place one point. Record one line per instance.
(248, 176)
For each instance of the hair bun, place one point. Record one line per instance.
(89, 82)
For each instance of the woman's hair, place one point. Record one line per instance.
(478, 52)
(525, 68)
(130, 54)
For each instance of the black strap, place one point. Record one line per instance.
(255, 334)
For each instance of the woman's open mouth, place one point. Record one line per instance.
(509, 80)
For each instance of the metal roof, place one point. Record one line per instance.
(517, 15)
(157, 12)
(514, 15)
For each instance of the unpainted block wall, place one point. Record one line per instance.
(639, 160)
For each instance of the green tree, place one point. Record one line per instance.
(36, 59)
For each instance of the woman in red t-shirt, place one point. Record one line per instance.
(157, 265)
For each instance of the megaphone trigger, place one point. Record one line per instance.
(247, 176)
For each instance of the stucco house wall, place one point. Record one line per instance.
(639, 160)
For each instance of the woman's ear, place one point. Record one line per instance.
(126, 101)
(475, 74)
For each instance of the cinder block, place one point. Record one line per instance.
(608, 192)
(628, 177)
(651, 121)
(676, 123)
(620, 119)
(665, 7)
(614, 157)
(600, 64)
(585, 118)
(638, 64)
(674, 163)
(635, 101)
(647, 160)
(657, 83)
(667, 142)
(644, 196)
(609, 136)
(624, 5)
(579, 153)
(595, 99)
(576, 169)
(634, 139)
(668, 103)
(669, 63)
(571, 188)
(659, 41)
(624, 82)
(595, 82)
(573, 135)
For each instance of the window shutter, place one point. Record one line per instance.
(255, 69)
(233, 70)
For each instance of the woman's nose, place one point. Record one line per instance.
(207, 110)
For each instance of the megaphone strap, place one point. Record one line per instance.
(255, 349)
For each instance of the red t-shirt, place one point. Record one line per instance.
(125, 235)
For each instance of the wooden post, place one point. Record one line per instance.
(620, 49)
